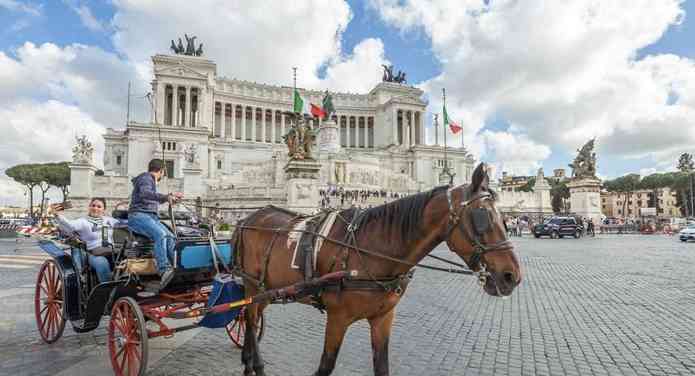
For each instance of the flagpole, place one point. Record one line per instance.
(462, 145)
(294, 79)
(446, 162)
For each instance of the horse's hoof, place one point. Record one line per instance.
(260, 372)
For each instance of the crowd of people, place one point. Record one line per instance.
(340, 197)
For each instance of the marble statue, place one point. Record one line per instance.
(584, 165)
(190, 154)
(82, 151)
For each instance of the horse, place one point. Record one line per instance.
(386, 242)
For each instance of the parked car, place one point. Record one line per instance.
(558, 227)
(688, 233)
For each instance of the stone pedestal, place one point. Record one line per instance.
(302, 178)
(192, 183)
(81, 183)
(81, 176)
(542, 191)
(329, 137)
(585, 198)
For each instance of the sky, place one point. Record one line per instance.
(530, 81)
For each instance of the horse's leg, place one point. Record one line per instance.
(381, 331)
(336, 326)
(250, 355)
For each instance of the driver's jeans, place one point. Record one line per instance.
(148, 224)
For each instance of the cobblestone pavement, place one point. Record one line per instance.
(610, 305)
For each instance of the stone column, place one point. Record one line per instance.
(360, 132)
(199, 110)
(405, 129)
(273, 125)
(186, 107)
(394, 126)
(243, 123)
(282, 124)
(263, 125)
(347, 132)
(233, 123)
(411, 126)
(253, 124)
(223, 119)
(160, 101)
(175, 106)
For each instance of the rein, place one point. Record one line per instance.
(365, 251)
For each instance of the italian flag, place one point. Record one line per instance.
(302, 106)
(455, 128)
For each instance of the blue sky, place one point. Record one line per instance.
(58, 22)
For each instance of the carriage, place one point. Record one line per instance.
(67, 289)
(353, 264)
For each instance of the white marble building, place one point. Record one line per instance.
(222, 139)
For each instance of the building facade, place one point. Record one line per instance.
(511, 183)
(222, 139)
(613, 204)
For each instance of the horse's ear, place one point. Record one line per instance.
(480, 179)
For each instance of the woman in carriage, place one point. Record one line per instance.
(96, 231)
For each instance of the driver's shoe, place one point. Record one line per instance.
(166, 277)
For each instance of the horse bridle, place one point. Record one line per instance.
(480, 218)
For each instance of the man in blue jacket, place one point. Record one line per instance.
(143, 218)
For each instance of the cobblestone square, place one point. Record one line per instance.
(610, 305)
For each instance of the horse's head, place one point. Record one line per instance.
(477, 234)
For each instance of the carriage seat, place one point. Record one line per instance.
(122, 233)
(138, 243)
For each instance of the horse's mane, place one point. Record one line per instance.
(403, 214)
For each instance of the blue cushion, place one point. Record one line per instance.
(200, 256)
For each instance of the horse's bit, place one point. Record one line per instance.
(480, 218)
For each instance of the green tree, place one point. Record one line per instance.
(624, 185)
(681, 184)
(58, 175)
(43, 172)
(28, 175)
(686, 165)
(528, 187)
(559, 193)
(655, 182)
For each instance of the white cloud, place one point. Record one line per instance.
(18, 6)
(359, 72)
(86, 76)
(514, 153)
(88, 19)
(35, 132)
(257, 41)
(44, 132)
(560, 72)
(50, 94)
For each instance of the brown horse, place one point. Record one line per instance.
(393, 237)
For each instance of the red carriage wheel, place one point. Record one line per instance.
(127, 338)
(48, 302)
(237, 328)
